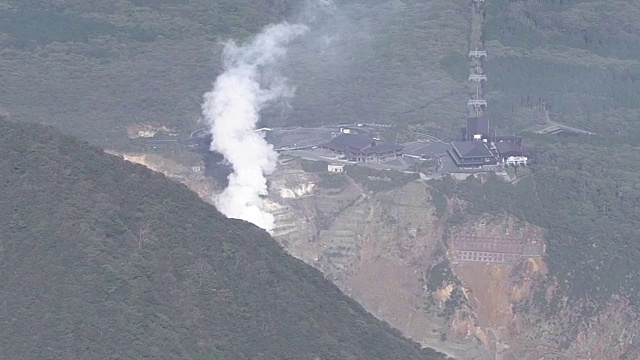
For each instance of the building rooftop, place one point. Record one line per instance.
(425, 150)
(478, 125)
(509, 148)
(361, 144)
(344, 142)
(382, 147)
(471, 149)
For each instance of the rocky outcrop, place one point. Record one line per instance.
(377, 247)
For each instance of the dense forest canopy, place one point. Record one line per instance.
(100, 258)
(580, 58)
(99, 66)
(94, 67)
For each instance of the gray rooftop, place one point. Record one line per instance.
(471, 149)
(382, 147)
(431, 149)
(352, 141)
(512, 138)
(358, 143)
(510, 148)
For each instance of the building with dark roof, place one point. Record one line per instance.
(511, 153)
(363, 148)
(506, 149)
(477, 129)
(472, 154)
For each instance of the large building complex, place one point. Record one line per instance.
(479, 151)
(480, 148)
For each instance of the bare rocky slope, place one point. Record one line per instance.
(378, 248)
(396, 253)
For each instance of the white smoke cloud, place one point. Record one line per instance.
(232, 110)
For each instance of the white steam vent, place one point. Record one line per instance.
(232, 110)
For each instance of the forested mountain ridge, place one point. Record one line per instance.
(405, 62)
(101, 66)
(578, 58)
(100, 258)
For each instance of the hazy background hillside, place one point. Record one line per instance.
(94, 67)
(581, 58)
(383, 62)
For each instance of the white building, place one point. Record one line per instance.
(334, 168)
(516, 160)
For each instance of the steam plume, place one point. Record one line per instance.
(232, 110)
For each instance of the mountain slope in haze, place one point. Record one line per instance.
(578, 58)
(101, 66)
(103, 259)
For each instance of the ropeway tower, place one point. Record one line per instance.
(477, 103)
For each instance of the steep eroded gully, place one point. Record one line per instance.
(378, 248)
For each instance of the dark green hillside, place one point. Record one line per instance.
(103, 259)
(100, 65)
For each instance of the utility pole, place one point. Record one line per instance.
(476, 55)
(477, 102)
